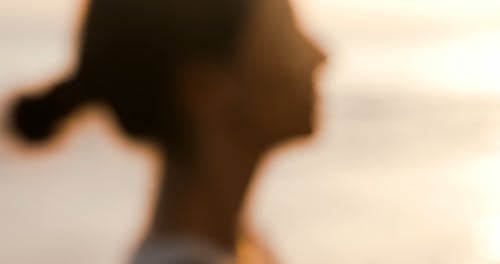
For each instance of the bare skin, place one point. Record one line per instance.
(238, 111)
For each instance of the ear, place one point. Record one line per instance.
(202, 88)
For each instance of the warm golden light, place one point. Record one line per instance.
(399, 176)
(470, 64)
(489, 237)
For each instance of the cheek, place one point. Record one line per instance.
(253, 111)
(275, 104)
(289, 90)
(292, 100)
(275, 97)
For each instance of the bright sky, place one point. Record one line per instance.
(439, 45)
(450, 11)
(436, 45)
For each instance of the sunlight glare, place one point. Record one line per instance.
(489, 236)
(470, 65)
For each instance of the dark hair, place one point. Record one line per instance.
(130, 56)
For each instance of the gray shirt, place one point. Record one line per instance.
(180, 251)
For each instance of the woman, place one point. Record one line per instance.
(212, 83)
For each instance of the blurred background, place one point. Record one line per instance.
(405, 168)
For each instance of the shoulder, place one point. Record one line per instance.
(180, 251)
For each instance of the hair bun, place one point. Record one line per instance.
(32, 118)
(36, 117)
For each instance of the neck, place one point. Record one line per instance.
(202, 195)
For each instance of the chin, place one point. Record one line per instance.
(299, 133)
(309, 129)
(306, 129)
(302, 127)
(310, 123)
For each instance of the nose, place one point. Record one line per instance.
(318, 55)
(321, 56)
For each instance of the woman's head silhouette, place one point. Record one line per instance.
(136, 56)
(131, 57)
(213, 82)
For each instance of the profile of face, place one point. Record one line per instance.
(266, 92)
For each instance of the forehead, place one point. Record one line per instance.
(269, 23)
(272, 9)
(268, 20)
